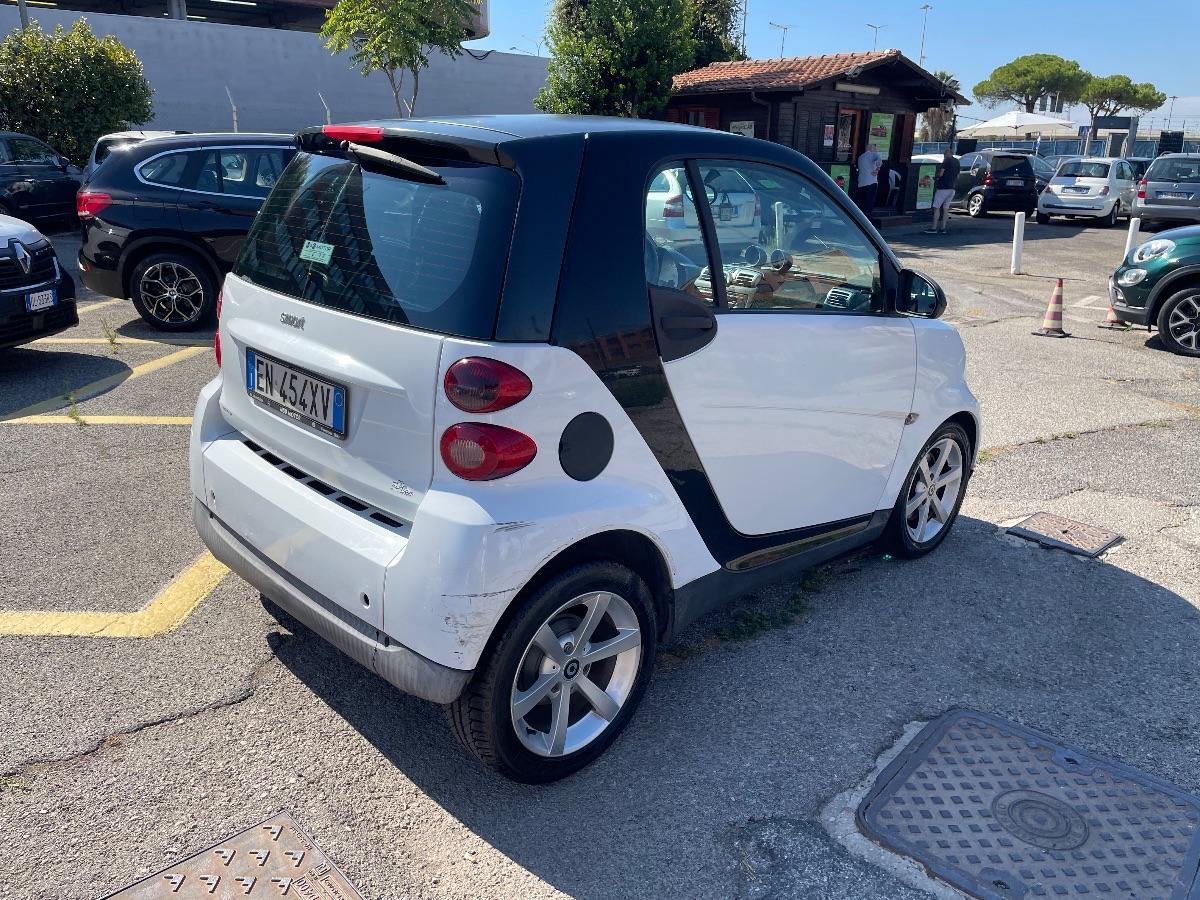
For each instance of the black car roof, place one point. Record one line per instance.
(509, 127)
(208, 140)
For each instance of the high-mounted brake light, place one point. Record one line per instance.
(481, 385)
(356, 134)
(217, 335)
(673, 208)
(479, 451)
(1142, 189)
(89, 204)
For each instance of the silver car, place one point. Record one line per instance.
(1170, 190)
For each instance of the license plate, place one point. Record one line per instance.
(296, 394)
(1173, 195)
(1016, 182)
(1075, 190)
(39, 300)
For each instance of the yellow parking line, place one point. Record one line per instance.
(162, 614)
(170, 342)
(103, 384)
(100, 420)
(101, 305)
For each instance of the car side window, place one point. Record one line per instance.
(30, 152)
(167, 169)
(970, 161)
(785, 244)
(676, 255)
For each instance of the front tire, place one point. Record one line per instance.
(929, 502)
(1179, 322)
(174, 291)
(563, 679)
(976, 206)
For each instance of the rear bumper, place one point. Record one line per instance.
(404, 668)
(1087, 208)
(99, 278)
(1153, 213)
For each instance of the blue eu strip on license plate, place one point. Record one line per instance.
(296, 393)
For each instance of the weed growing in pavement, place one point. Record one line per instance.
(986, 455)
(109, 334)
(750, 623)
(73, 411)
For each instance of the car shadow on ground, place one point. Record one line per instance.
(996, 228)
(735, 734)
(139, 328)
(37, 376)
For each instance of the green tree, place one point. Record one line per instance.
(1027, 79)
(938, 119)
(70, 87)
(397, 37)
(1111, 94)
(616, 57)
(716, 31)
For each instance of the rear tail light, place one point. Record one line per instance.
(1104, 191)
(1142, 189)
(987, 180)
(479, 451)
(356, 134)
(481, 385)
(673, 208)
(217, 335)
(89, 204)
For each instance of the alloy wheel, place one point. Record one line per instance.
(933, 493)
(171, 293)
(975, 205)
(576, 674)
(1183, 324)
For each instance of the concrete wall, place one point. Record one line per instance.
(275, 75)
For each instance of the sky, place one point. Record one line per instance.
(966, 37)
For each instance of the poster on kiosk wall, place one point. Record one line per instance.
(879, 138)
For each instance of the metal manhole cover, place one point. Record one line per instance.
(1050, 530)
(1003, 811)
(272, 859)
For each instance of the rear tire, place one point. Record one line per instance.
(922, 518)
(174, 291)
(1043, 218)
(1179, 322)
(525, 707)
(976, 206)
(1111, 219)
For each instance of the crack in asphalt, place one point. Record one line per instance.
(43, 765)
(993, 452)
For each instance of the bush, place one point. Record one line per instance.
(70, 87)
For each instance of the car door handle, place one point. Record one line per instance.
(203, 204)
(690, 323)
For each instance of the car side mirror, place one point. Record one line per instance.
(920, 296)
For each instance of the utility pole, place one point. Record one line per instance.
(926, 8)
(783, 38)
(745, 13)
(875, 46)
(1171, 112)
(24, 10)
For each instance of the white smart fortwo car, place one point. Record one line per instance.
(482, 430)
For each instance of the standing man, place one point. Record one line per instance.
(868, 179)
(947, 180)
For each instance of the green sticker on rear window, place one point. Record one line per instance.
(315, 251)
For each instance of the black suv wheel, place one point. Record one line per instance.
(174, 291)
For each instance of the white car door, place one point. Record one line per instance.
(797, 404)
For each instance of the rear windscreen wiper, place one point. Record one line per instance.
(390, 164)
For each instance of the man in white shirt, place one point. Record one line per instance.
(869, 165)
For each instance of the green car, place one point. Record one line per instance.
(1159, 285)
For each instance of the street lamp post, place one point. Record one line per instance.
(875, 46)
(925, 21)
(1171, 112)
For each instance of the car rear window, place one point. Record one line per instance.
(1185, 171)
(374, 245)
(1084, 169)
(1012, 165)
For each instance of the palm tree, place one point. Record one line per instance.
(937, 119)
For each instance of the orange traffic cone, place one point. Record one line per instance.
(1113, 321)
(1052, 322)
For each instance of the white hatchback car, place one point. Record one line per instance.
(1092, 188)
(479, 429)
(672, 219)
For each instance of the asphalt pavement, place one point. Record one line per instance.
(122, 754)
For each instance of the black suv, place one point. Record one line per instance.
(164, 220)
(35, 181)
(995, 179)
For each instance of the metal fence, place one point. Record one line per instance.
(1066, 147)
